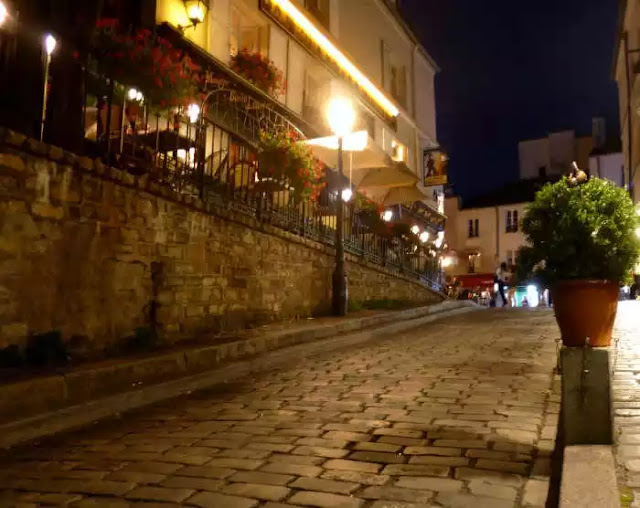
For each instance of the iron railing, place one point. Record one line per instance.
(215, 159)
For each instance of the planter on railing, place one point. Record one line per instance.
(259, 70)
(141, 59)
(289, 165)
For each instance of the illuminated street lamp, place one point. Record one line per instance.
(341, 116)
(4, 14)
(415, 229)
(387, 215)
(424, 236)
(347, 194)
(49, 47)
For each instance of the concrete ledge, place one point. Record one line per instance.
(89, 394)
(589, 478)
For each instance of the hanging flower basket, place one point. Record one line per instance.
(259, 70)
(285, 162)
(143, 60)
(369, 213)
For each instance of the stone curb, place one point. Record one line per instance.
(86, 412)
(589, 478)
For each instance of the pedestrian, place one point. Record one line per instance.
(501, 279)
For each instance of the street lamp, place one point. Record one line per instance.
(341, 117)
(4, 14)
(49, 47)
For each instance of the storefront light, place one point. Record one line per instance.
(304, 24)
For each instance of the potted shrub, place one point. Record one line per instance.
(286, 164)
(582, 244)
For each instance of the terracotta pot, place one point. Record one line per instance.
(585, 308)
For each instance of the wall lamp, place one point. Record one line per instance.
(196, 12)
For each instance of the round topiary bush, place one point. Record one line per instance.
(580, 231)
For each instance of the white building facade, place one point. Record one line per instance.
(370, 36)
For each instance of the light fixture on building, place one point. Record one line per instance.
(440, 240)
(347, 194)
(415, 230)
(424, 236)
(322, 41)
(446, 262)
(193, 112)
(196, 12)
(387, 215)
(4, 14)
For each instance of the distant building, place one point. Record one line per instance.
(485, 231)
(553, 155)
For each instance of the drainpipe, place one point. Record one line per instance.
(625, 40)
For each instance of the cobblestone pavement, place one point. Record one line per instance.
(460, 413)
(626, 397)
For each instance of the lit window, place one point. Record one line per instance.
(399, 150)
(248, 32)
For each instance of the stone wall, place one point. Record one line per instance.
(85, 249)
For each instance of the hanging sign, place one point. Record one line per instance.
(434, 167)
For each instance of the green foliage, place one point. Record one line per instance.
(585, 231)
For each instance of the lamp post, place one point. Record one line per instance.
(341, 118)
(49, 46)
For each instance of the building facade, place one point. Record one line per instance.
(389, 63)
(625, 71)
(482, 237)
(552, 156)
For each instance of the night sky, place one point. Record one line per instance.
(511, 71)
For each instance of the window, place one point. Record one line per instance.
(321, 10)
(511, 223)
(248, 33)
(473, 263)
(474, 229)
(542, 172)
(394, 75)
(400, 151)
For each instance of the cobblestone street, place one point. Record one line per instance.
(459, 413)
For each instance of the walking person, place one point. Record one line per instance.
(501, 279)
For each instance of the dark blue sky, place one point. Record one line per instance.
(514, 70)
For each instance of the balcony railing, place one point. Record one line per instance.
(215, 159)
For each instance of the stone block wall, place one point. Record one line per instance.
(85, 249)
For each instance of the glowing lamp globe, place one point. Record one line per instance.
(3, 13)
(196, 10)
(341, 116)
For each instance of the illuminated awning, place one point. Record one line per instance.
(360, 152)
(406, 194)
(395, 175)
